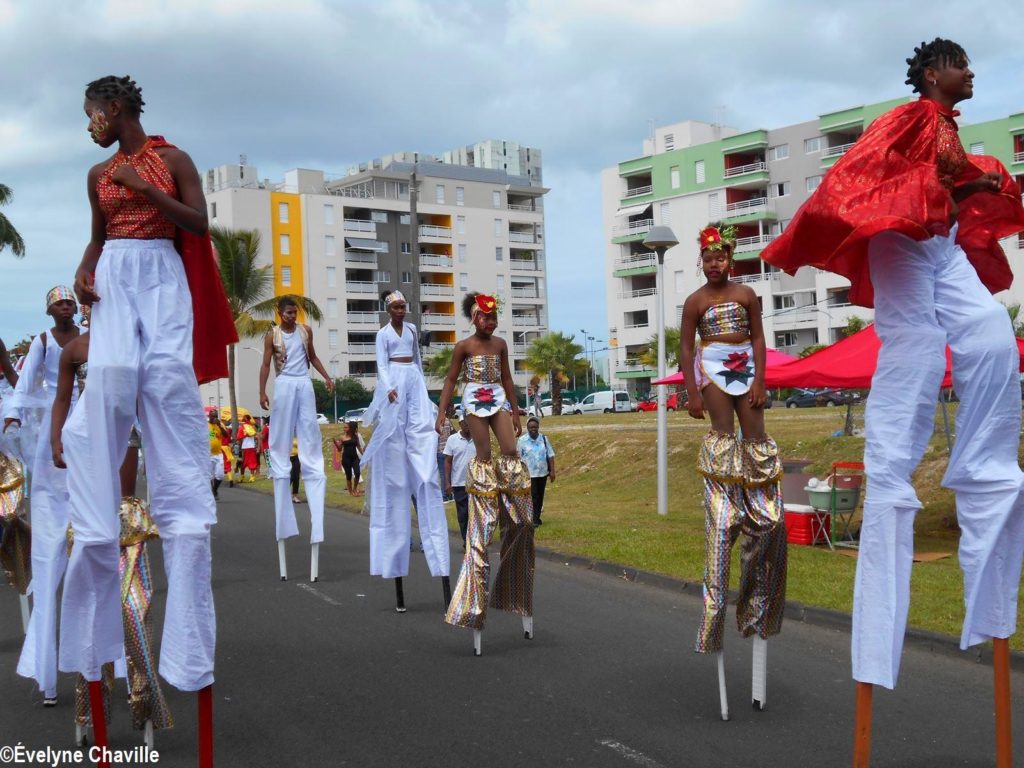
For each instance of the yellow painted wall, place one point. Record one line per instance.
(293, 228)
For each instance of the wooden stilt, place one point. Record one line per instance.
(1001, 680)
(759, 683)
(314, 564)
(862, 727)
(399, 596)
(206, 727)
(723, 697)
(99, 722)
(25, 614)
(478, 636)
(528, 627)
(282, 563)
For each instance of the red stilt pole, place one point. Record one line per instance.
(99, 722)
(1001, 675)
(862, 727)
(206, 727)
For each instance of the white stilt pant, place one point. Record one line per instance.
(293, 414)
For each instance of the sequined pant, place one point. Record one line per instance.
(742, 492)
(498, 495)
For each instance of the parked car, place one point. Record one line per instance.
(354, 414)
(651, 403)
(321, 419)
(547, 407)
(804, 398)
(608, 401)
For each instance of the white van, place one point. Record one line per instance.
(618, 401)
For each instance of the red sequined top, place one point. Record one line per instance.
(130, 215)
(951, 160)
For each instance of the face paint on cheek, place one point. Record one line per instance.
(98, 124)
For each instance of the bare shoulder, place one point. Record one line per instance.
(747, 294)
(308, 328)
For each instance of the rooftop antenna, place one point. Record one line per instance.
(243, 159)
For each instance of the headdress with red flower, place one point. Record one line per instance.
(714, 239)
(486, 304)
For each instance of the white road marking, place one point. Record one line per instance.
(318, 593)
(637, 758)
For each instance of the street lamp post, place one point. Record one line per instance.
(331, 360)
(660, 239)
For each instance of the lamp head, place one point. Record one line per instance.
(660, 238)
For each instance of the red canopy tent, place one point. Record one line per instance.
(847, 364)
(773, 359)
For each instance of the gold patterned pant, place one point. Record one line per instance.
(742, 492)
(499, 496)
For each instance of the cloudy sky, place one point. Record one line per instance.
(328, 83)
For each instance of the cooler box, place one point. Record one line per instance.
(847, 493)
(803, 525)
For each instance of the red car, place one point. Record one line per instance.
(672, 403)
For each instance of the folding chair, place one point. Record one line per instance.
(846, 480)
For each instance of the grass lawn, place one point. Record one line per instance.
(603, 505)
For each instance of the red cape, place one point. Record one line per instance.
(213, 327)
(889, 180)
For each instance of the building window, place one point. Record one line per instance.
(501, 282)
(382, 276)
(673, 174)
(379, 217)
(785, 301)
(680, 281)
(285, 245)
(463, 281)
(406, 248)
(407, 278)
(698, 171)
(813, 182)
(495, 199)
(714, 206)
(460, 225)
(670, 142)
(332, 307)
(332, 277)
(328, 215)
(779, 190)
(780, 152)
(813, 145)
(383, 246)
(462, 253)
(286, 276)
(460, 195)
(282, 212)
(978, 148)
(213, 211)
(328, 245)
(497, 228)
(334, 370)
(332, 338)
(499, 254)
(665, 210)
(404, 219)
(439, 194)
(785, 339)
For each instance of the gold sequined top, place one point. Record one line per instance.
(481, 369)
(951, 159)
(720, 319)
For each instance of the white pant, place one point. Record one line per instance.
(402, 460)
(293, 413)
(217, 467)
(50, 513)
(140, 358)
(927, 295)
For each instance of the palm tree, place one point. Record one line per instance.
(436, 366)
(552, 355)
(250, 290)
(8, 234)
(1016, 319)
(650, 356)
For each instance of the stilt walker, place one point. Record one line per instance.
(49, 511)
(914, 223)
(499, 493)
(742, 477)
(148, 262)
(290, 346)
(402, 459)
(15, 533)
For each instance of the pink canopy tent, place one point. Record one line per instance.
(773, 359)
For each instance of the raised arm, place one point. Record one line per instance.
(458, 355)
(317, 365)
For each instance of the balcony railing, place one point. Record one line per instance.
(362, 349)
(836, 151)
(360, 225)
(634, 364)
(521, 320)
(640, 293)
(436, 289)
(745, 244)
(743, 207)
(639, 260)
(434, 260)
(353, 286)
(521, 207)
(436, 347)
(530, 265)
(633, 227)
(520, 349)
(360, 257)
(642, 324)
(433, 320)
(363, 318)
(749, 278)
(362, 374)
(522, 237)
(525, 293)
(739, 170)
(638, 191)
(1018, 157)
(430, 230)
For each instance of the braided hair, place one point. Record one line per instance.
(938, 53)
(124, 89)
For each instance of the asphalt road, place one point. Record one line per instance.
(329, 674)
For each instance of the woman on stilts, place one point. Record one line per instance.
(402, 459)
(742, 476)
(498, 492)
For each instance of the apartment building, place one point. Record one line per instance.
(691, 173)
(431, 229)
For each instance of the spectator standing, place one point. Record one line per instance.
(458, 450)
(445, 432)
(535, 449)
(351, 447)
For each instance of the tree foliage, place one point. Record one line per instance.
(650, 356)
(553, 355)
(436, 366)
(9, 236)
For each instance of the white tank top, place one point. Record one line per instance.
(295, 361)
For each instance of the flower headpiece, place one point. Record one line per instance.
(485, 304)
(393, 297)
(714, 239)
(59, 293)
